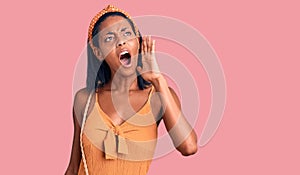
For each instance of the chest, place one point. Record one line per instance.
(120, 107)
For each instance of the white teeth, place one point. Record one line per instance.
(124, 52)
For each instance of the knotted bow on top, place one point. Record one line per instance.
(114, 143)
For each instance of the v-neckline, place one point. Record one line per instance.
(125, 121)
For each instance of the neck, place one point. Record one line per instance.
(120, 83)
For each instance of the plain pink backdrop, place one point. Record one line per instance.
(257, 43)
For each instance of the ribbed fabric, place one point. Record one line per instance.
(125, 149)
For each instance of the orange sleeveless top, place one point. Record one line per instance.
(125, 149)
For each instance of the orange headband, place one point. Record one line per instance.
(109, 8)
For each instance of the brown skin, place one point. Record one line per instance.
(75, 154)
(114, 37)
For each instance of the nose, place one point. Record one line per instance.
(121, 42)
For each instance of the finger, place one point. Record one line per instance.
(149, 44)
(153, 46)
(144, 45)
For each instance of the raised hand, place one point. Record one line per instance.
(149, 71)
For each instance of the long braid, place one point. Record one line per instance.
(81, 133)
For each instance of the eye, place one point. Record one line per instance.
(128, 33)
(108, 39)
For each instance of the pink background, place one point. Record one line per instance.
(257, 43)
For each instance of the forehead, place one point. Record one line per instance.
(113, 23)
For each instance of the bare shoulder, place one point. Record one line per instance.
(80, 100)
(81, 94)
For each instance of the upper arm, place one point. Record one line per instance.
(183, 135)
(175, 97)
(161, 104)
(79, 104)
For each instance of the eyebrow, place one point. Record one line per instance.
(112, 33)
(109, 33)
(122, 30)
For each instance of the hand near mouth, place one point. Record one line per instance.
(150, 71)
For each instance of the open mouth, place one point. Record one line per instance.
(125, 58)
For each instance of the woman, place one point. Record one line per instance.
(116, 116)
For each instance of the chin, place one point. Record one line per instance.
(127, 71)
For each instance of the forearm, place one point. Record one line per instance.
(182, 134)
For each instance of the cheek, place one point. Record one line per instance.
(106, 50)
(111, 58)
(134, 45)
